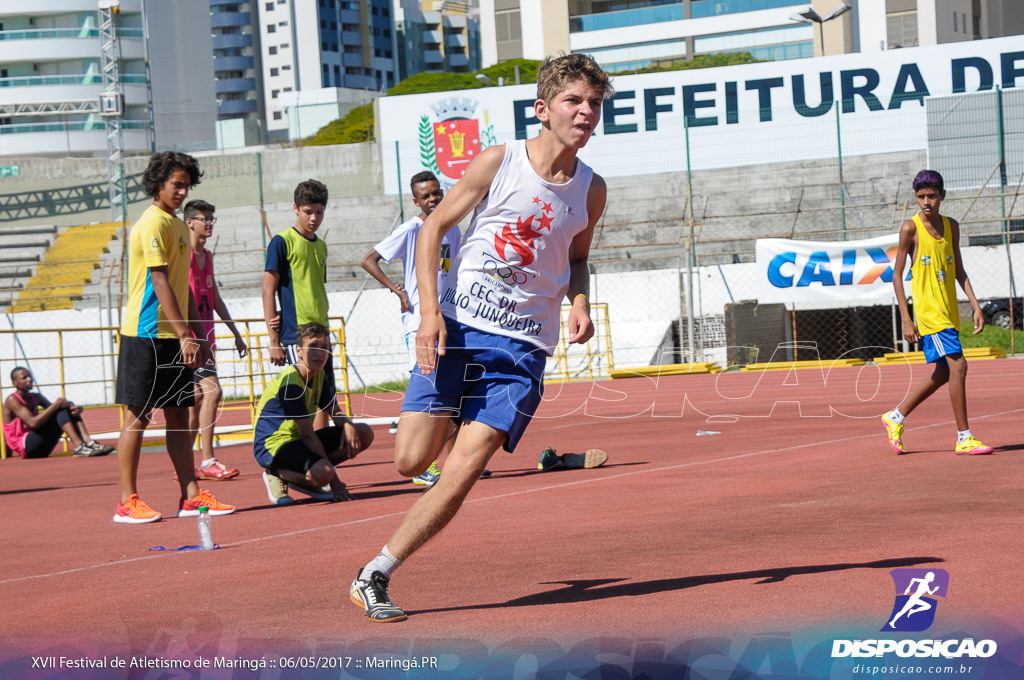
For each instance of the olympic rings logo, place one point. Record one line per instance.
(506, 274)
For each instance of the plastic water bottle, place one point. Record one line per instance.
(205, 537)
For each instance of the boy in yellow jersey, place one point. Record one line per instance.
(933, 243)
(161, 341)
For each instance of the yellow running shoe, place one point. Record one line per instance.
(972, 447)
(895, 432)
(428, 478)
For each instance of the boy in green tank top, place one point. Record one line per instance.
(932, 242)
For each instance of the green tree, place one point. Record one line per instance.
(355, 126)
(702, 61)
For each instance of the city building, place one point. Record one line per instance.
(238, 74)
(311, 45)
(51, 77)
(891, 24)
(436, 36)
(630, 34)
(625, 35)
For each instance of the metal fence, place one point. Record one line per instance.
(673, 256)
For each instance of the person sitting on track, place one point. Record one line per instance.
(32, 433)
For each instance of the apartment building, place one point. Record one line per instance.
(312, 45)
(436, 36)
(51, 57)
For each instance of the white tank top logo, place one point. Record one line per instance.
(521, 239)
(512, 270)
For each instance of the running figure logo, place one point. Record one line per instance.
(914, 609)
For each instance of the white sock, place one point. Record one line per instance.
(896, 417)
(207, 463)
(384, 562)
(962, 435)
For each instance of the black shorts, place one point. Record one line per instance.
(297, 457)
(41, 441)
(150, 373)
(203, 372)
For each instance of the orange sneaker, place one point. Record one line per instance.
(135, 511)
(190, 507)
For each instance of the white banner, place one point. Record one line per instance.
(785, 110)
(828, 274)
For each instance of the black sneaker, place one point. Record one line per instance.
(84, 450)
(373, 596)
(100, 449)
(592, 458)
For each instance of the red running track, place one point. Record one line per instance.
(786, 522)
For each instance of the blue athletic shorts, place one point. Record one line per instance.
(484, 378)
(938, 345)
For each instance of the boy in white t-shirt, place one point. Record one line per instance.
(482, 347)
(401, 244)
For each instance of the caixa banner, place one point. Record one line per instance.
(825, 273)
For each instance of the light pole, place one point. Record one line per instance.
(809, 16)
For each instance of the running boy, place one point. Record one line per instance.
(933, 243)
(199, 218)
(158, 347)
(292, 453)
(296, 273)
(401, 244)
(481, 349)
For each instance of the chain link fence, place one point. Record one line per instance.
(673, 257)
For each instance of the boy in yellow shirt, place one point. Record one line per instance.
(933, 243)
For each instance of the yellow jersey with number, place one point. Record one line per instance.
(933, 280)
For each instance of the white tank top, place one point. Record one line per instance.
(512, 270)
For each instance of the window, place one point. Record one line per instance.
(955, 29)
(271, 28)
(274, 72)
(272, 49)
(277, 115)
(286, 67)
(270, 6)
(274, 93)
